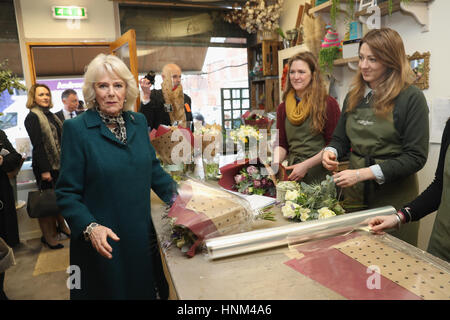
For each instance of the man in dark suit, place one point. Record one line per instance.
(70, 100)
(168, 106)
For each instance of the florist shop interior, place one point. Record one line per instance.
(263, 208)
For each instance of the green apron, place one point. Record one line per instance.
(374, 140)
(303, 144)
(440, 236)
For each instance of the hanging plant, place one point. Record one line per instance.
(327, 57)
(334, 11)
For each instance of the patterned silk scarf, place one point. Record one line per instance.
(119, 129)
(296, 112)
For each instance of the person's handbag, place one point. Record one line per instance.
(42, 203)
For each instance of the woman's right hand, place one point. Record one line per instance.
(380, 223)
(99, 240)
(46, 176)
(329, 161)
(146, 88)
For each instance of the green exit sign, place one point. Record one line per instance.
(72, 12)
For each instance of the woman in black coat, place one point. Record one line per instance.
(9, 231)
(45, 130)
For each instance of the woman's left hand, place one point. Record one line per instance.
(299, 171)
(347, 178)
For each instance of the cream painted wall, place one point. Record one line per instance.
(38, 22)
(415, 40)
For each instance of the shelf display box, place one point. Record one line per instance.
(355, 30)
(350, 48)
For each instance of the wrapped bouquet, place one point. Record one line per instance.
(312, 202)
(258, 119)
(208, 141)
(202, 211)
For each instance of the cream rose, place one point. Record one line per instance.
(325, 213)
(291, 195)
(288, 209)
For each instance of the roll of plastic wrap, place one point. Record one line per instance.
(246, 242)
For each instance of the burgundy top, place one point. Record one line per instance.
(333, 114)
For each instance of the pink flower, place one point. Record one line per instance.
(257, 183)
(238, 178)
(252, 170)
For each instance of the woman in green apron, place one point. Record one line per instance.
(305, 120)
(384, 126)
(435, 197)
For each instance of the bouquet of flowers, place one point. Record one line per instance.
(248, 178)
(202, 211)
(312, 202)
(256, 118)
(208, 141)
(244, 133)
(251, 181)
(166, 139)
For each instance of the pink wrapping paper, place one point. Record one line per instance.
(342, 274)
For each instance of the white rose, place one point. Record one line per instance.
(304, 214)
(288, 209)
(325, 213)
(291, 195)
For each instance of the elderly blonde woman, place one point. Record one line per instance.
(107, 169)
(44, 129)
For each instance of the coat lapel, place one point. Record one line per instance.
(93, 119)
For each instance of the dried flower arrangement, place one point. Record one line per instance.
(256, 15)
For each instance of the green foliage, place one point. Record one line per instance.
(334, 12)
(326, 59)
(281, 33)
(8, 81)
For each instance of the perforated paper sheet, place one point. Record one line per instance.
(416, 275)
(364, 266)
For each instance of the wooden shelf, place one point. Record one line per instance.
(418, 8)
(324, 7)
(342, 62)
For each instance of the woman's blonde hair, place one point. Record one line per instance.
(112, 65)
(387, 47)
(315, 95)
(31, 99)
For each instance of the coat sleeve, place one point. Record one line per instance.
(281, 118)
(12, 160)
(71, 181)
(333, 113)
(162, 183)
(430, 199)
(411, 121)
(40, 159)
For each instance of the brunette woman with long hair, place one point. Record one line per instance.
(305, 120)
(384, 126)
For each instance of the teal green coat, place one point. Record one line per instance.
(105, 181)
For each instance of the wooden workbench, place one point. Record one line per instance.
(260, 276)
